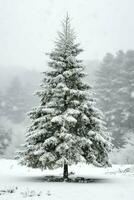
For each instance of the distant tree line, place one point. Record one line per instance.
(115, 93)
(15, 102)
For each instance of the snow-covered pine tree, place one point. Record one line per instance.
(66, 127)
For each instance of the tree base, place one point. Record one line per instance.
(70, 179)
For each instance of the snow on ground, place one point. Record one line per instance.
(17, 183)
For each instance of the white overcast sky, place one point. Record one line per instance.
(28, 28)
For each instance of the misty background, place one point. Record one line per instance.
(28, 29)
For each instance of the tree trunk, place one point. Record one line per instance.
(65, 171)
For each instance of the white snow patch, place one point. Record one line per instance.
(17, 182)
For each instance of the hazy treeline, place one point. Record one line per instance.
(16, 94)
(17, 87)
(115, 93)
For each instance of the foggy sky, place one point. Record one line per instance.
(28, 28)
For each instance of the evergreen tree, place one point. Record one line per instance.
(66, 127)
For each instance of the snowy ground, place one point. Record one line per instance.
(17, 183)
